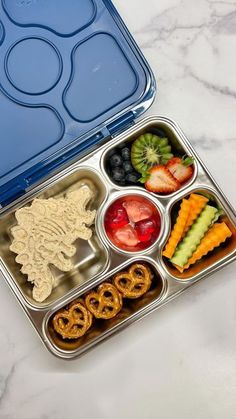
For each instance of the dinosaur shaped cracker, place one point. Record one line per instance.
(45, 235)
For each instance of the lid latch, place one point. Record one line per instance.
(120, 124)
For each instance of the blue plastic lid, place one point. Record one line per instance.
(70, 76)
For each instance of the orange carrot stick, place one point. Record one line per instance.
(215, 236)
(197, 202)
(178, 229)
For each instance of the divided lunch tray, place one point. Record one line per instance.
(96, 261)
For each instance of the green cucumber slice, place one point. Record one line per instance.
(189, 244)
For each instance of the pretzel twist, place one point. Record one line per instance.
(105, 303)
(135, 282)
(73, 323)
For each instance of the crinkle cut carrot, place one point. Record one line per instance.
(178, 229)
(198, 203)
(217, 235)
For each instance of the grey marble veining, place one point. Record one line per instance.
(181, 361)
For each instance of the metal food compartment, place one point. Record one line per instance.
(92, 258)
(103, 328)
(162, 129)
(125, 194)
(216, 258)
(104, 261)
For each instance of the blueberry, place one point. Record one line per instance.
(121, 145)
(118, 174)
(132, 177)
(115, 160)
(113, 151)
(121, 183)
(127, 166)
(125, 153)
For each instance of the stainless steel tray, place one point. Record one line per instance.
(98, 260)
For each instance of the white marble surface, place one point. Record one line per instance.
(181, 361)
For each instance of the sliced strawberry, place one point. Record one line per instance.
(137, 210)
(127, 236)
(180, 169)
(161, 181)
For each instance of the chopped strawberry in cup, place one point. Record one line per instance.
(146, 228)
(116, 216)
(137, 211)
(132, 223)
(127, 236)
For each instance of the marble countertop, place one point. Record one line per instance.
(180, 362)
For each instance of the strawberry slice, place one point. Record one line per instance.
(181, 169)
(127, 236)
(137, 211)
(161, 180)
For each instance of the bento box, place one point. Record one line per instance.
(104, 218)
(98, 261)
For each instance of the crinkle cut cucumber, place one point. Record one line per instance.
(189, 244)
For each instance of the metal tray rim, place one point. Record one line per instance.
(93, 162)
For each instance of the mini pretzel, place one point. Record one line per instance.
(105, 303)
(73, 323)
(135, 282)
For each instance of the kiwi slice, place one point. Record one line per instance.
(149, 150)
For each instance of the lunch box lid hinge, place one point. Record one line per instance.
(15, 188)
(10, 192)
(121, 124)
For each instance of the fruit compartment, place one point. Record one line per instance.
(101, 329)
(91, 258)
(216, 257)
(143, 216)
(117, 160)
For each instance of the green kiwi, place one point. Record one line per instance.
(148, 151)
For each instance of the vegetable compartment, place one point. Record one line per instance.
(202, 236)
